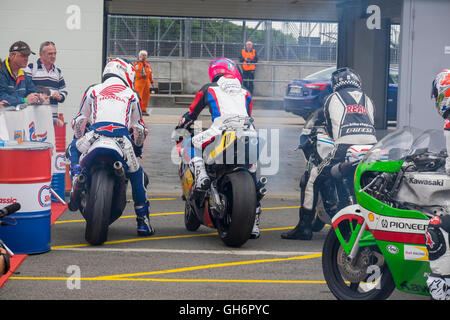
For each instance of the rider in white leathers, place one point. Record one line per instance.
(438, 231)
(224, 96)
(112, 108)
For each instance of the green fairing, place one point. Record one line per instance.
(408, 275)
(374, 205)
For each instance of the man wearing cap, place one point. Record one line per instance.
(46, 75)
(15, 86)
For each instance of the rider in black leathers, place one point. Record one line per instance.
(349, 120)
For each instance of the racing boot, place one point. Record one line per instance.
(255, 234)
(303, 230)
(202, 180)
(144, 227)
(75, 172)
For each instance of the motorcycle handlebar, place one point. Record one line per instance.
(9, 209)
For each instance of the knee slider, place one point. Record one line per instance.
(435, 242)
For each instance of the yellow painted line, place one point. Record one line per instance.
(124, 217)
(126, 277)
(169, 213)
(280, 208)
(156, 238)
(219, 265)
(155, 199)
(137, 239)
(177, 280)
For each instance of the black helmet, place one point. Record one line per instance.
(345, 77)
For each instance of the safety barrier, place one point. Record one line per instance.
(25, 176)
(59, 170)
(34, 123)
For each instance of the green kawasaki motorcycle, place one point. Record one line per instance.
(378, 243)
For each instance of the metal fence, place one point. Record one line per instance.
(290, 41)
(208, 38)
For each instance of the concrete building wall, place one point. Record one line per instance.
(425, 51)
(324, 10)
(76, 27)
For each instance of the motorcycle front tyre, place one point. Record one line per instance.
(337, 285)
(98, 208)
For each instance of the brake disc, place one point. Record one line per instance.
(356, 271)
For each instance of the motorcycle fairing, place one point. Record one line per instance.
(228, 138)
(405, 255)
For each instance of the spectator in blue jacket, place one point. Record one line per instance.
(15, 86)
(3, 103)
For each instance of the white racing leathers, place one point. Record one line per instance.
(437, 241)
(225, 99)
(349, 119)
(113, 109)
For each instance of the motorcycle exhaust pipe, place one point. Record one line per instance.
(81, 179)
(261, 183)
(261, 193)
(118, 168)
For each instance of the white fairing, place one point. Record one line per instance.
(425, 189)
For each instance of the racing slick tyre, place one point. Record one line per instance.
(240, 193)
(98, 208)
(368, 278)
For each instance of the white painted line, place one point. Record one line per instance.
(221, 252)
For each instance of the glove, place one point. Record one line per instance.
(185, 122)
(138, 150)
(139, 134)
(180, 134)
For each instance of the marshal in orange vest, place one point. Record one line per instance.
(248, 66)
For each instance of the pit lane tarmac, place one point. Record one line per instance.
(175, 264)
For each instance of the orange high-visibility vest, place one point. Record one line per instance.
(247, 66)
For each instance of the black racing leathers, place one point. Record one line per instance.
(349, 120)
(349, 116)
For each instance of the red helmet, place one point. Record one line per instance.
(222, 66)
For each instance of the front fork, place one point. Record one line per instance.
(355, 248)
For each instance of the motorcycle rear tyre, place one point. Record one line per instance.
(337, 285)
(241, 205)
(98, 208)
